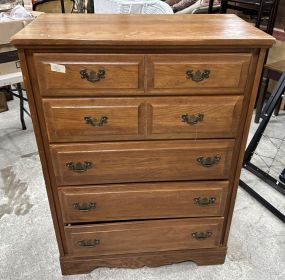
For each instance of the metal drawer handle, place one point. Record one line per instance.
(202, 235)
(85, 206)
(204, 201)
(192, 119)
(197, 76)
(78, 166)
(89, 243)
(92, 76)
(209, 161)
(96, 122)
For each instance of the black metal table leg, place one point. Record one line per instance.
(21, 97)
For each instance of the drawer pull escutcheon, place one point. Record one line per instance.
(78, 166)
(89, 243)
(92, 76)
(202, 235)
(204, 201)
(192, 119)
(197, 76)
(209, 161)
(96, 122)
(85, 206)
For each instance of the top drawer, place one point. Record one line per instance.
(197, 73)
(89, 74)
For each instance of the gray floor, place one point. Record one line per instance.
(27, 242)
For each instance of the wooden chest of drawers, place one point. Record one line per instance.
(141, 124)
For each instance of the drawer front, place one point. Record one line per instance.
(89, 74)
(142, 201)
(120, 162)
(196, 117)
(145, 236)
(101, 119)
(71, 120)
(198, 73)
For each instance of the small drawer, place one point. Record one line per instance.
(144, 201)
(144, 236)
(89, 74)
(119, 162)
(78, 119)
(195, 117)
(198, 73)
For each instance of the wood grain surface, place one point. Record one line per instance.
(55, 30)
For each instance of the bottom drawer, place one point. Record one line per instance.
(146, 236)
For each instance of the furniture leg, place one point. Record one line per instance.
(19, 89)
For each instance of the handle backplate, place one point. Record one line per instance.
(209, 161)
(204, 201)
(197, 76)
(78, 167)
(96, 122)
(192, 119)
(92, 76)
(84, 207)
(91, 243)
(201, 235)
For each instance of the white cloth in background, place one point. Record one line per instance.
(17, 13)
(197, 5)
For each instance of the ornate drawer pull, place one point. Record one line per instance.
(192, 119)
(197, 76)
(89, 243)
(78, 166)
(202, 235)
(96, 122)
(208, 161)
(92, 76)
(204, 201)
(85, 206)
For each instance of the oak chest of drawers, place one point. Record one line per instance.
(141, 124)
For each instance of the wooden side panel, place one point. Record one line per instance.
(141, 161)
(142, 201)
(150, 236)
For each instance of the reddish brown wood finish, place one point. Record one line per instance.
(123, 73)
(227, 73)
(141, 161)
(142, 100)
(141, 118)
(142, 201)
(146, 236)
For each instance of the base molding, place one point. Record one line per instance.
(83, 265)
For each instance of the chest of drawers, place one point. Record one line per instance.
(141, 124)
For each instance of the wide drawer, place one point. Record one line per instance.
(145, 236)
(101, 119)
(198, 73)
(89, 74)
(142, 201)
(119, 162)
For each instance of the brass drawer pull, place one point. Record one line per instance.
(89, 243)
(96, 122)
(197, 76)
(209, 161)
(85, 206)
(78, 166)
(92, 76)
(192, 119)
(202, 235)
(204, 201)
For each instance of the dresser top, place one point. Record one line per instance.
(141, 30)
